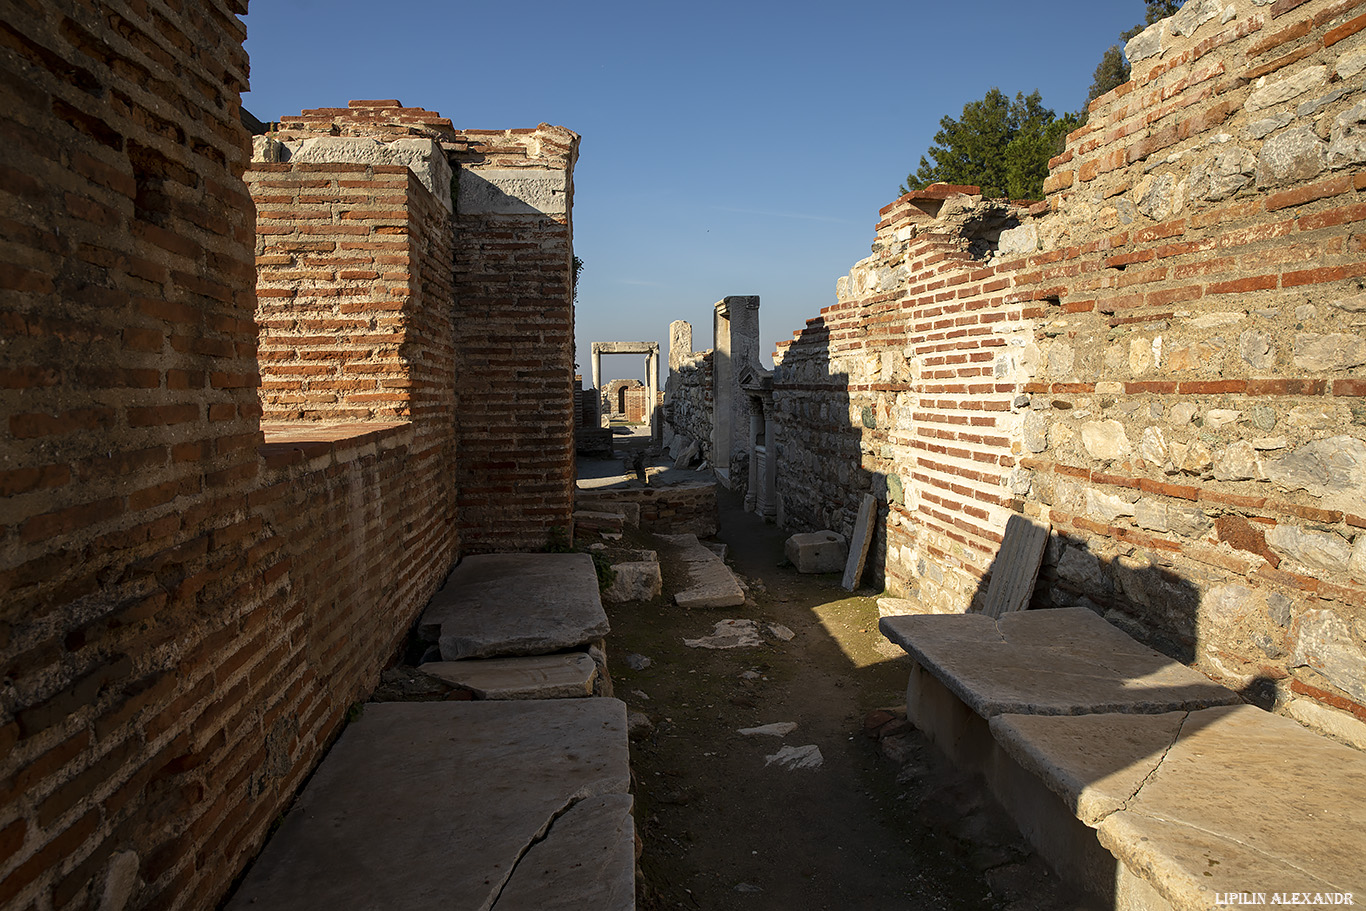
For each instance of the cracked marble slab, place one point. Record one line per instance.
(596, 838)
(1227, 799)
(435, 805)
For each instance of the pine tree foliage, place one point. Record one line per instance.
(1000, 145)
(1003, 146)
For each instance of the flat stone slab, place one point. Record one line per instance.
(1065, 661)
(776, 729)
(794, 758)
(438, 805)
(858, 546)
(729, 634)
(1245, 801)
(499, 605)
(711, 584)
(531, 677)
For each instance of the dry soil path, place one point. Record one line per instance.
(723, 826)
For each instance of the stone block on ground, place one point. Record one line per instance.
(636, 580)
(502, 605)
(817, 552)
(711, 584)
(531, 677)
(1065, 661)
(438, 805)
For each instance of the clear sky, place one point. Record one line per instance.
(728, 148)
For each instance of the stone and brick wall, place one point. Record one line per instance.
(688, 402)
(1163, 360)
(637, 399)
(678, 509)
(515, 335)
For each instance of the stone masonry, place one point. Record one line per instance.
(224, 507)
(687, 394)
(1164, 360)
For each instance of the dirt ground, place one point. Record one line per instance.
(880, 824)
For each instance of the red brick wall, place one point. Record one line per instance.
(514, 317)
(130, 435)
(1153, 352)
(636, 400)
(333, 284)
(183, 625)
(515, 363)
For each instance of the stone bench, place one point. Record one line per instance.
(507, 806)
(1137, 778)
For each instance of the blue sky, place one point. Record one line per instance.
(728, 148)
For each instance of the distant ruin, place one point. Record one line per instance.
(629, 400)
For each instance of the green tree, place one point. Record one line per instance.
(1000, 145)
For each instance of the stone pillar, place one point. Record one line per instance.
(680, 342)
(597, 367)
(756, 428)
(652, 393)
(768, 483)
(735, 326)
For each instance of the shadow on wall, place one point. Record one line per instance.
(842, 437)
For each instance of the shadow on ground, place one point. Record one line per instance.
(879, 825)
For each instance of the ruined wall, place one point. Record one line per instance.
(679, 509)
(515, 329)
(188, 613)
(687, 393)
(614, 396)
(1164, 360)
(636, 401)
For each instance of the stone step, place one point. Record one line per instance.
(711, 584)
(629, 511)
(437, 805)
(502, 605)
(1194, 804)
(533, 677)
(1137, 778)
